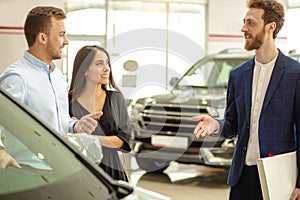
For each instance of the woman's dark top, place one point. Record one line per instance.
(114, 121)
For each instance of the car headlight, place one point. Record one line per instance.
(135, 108)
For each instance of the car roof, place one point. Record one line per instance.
(233, 53)
(295, 53)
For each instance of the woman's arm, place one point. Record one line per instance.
(110, 141)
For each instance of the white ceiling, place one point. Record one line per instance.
(74, 5)
(81, 4)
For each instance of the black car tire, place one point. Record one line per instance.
(152, 165)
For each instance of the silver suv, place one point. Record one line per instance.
(295, 54)
(163, 126)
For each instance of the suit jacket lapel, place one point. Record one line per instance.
(247, 82)
(276, 76)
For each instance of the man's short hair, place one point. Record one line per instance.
(39, 20)
(273, 12)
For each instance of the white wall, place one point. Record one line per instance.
(293, 30)
(225, 19)
(12, 39)
(225, 23)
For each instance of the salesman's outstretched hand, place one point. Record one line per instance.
(6, 160)
(87, 124)
(206, 125)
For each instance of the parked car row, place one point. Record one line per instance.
(57, 167)
(295, 54)
(163, 126)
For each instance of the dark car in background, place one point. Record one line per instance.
(53, 166)
(295, 54)
(163, 126)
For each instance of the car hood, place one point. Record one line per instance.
(214, 97)
(144, 194)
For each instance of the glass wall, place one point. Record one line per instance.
(158, 35)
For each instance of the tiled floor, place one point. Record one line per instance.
(183, 181)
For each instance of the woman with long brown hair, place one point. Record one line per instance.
(93, 89)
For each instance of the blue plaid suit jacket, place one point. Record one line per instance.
(279, 123)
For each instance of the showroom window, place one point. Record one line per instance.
(141, 31)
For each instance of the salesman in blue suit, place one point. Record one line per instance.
(263, 103)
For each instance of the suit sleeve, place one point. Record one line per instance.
(297, 128)
(228, 126)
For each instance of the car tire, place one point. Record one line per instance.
(152, 165)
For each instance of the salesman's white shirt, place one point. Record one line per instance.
(261, 78)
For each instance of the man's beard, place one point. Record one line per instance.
(53, 52)
(258, 40)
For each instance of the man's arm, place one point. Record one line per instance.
(206, 126)
(296, 193)
(87, 124)
(14, 84)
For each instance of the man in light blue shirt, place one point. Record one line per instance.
(41, 88)
(35, 80)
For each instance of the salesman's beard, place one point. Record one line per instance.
(258, 40)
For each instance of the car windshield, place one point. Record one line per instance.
(210, 72)
(49, 166)
(296, 57)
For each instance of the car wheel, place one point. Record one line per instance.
(152, 165)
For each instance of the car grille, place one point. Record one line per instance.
(170, 118)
